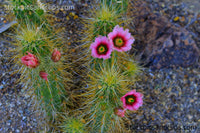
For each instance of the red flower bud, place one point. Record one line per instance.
(43, 75)
(30, 60)
(56, 55)
(120, 111)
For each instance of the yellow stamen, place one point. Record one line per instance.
(131, 100)
(101, 49)
(119, 42)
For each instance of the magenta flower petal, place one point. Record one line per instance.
(132, 100)
(101, 48)
(121, 39)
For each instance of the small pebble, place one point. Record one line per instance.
(1, 87)
(176, 18)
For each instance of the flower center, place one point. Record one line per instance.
(119, 42)
(130, 99)
(102, 49)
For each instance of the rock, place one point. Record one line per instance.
(180, 50)
(7, 26)
(23, 118)
(20, 111)
(1, 87)
(160, 44)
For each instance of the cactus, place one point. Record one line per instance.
(47, 77)
(108, 79)
(119, 5)
(106, 84)
(105, 88)
(101, 22)
(129, 66)
(45, 71)
(28, 11)
(73, 125)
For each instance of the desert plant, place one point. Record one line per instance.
(101, 22)
(43, 67)
(44, 62)
(111, 76)
(119, 5)
(44, 73)
(73, 125)
(105, 87)
(28, 11)
(111, 71)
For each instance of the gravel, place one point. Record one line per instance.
(16, 114)
(171, 98)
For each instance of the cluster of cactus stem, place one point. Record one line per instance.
(101, 22)
(35, 38)
(28, 11)
(72, 124)
(120, 6)
(106, 86)
(52, 92)
(106, 80)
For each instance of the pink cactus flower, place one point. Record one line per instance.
(121, 39)
(132, 100)
(44, 75)
(101, 48)
(56, 55)
(30, 60)
(119, 111)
